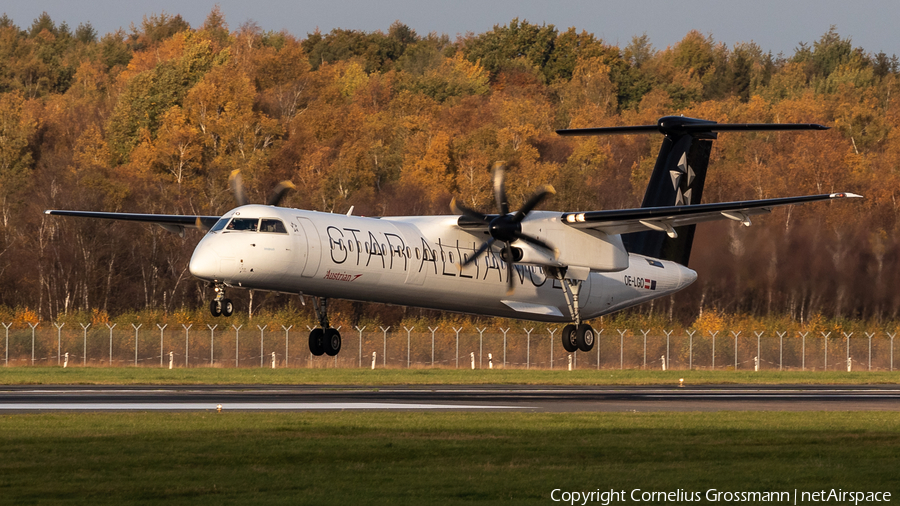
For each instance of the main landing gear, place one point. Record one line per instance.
(220, 306)
(578, 335)
(325, 340)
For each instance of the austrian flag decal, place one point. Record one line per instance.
(650, 284)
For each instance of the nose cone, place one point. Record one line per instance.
(204, 262)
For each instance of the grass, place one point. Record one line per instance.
(433, 458)
(227, 376)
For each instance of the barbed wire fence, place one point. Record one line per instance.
(444, 346)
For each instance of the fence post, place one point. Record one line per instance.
(84, 328)
(598, 347)
(136, 341)
(780, 349)
(457, 330)
(892, 348)
(826, 348)
(690, 349)
(261, 331)
(528, 349)
(409, 345)
(7, 341)
(713, 334)
(237, 343)
(212, 333)
(309, 358)
(504, 346)
(480, 344)
(32, 340)
(668, 335)
(59, 327)
(645, 332)
(286, 333)
(187, 329)
(870, 336)
(847, 336)
(758, 355)
(110, 341)
(433, 330)
(161, 329)
(803, 350)
(735, 348)
(621, 348)
(384, 350)
(552, 339)
(360, 330)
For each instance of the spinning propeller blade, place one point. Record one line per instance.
(506, 228)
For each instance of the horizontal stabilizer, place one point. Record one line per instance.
(681, 125)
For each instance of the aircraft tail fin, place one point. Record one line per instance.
(679, 175)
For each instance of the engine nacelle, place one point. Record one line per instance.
(577, 247)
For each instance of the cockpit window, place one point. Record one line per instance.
(219, 225)
(244, 224)
(272, 226)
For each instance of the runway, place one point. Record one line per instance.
(475, 398)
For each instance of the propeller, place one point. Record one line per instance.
(506, 227)
(236, 182)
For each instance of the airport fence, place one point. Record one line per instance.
(465, 346)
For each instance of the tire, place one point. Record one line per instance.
(332, 342)
(215, 308)
(317, 342)
(569, 337)
(227, 307)
(585, 337)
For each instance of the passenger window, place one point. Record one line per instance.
(272, 226)
(243, 224)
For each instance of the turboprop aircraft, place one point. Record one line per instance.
(565, 267)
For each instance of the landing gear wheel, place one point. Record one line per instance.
(569, 338)
(317, 342)
(584, 337)
(332, 342)
(227, 307)
(215, 308)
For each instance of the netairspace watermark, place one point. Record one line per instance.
(611, 496)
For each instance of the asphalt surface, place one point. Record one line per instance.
(520, 398)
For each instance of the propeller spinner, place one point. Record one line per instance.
(506, 227)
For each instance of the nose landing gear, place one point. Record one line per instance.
(220, 306)
(324, 340)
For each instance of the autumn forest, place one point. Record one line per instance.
(154, 118)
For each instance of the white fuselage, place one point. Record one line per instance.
(410, 261)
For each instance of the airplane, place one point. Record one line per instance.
(564, 267)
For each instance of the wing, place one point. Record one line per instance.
(664, 219)
(175, 223)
